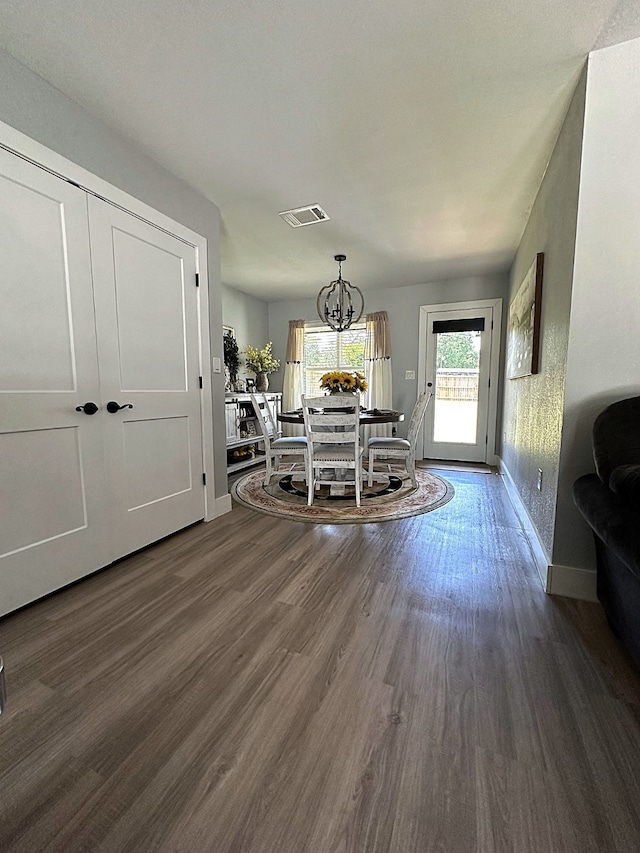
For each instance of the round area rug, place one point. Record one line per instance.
(392, 499)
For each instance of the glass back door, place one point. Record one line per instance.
(458, 363)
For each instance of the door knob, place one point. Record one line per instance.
(88, 408)
(113, 407)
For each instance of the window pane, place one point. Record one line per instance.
(351, 355)
(456, 398)
(312, 381)
(326, 350)
(320, 349)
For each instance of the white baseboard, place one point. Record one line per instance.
(569, 581)
(223, 505)
(543, 563)
(572, 582)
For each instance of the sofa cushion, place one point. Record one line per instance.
(625, 482)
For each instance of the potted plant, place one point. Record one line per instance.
(261, 362)
(231, 357)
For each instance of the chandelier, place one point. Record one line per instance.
(336, 301)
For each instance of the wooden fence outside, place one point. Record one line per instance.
(456, 385)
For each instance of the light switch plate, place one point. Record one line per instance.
(217, 367)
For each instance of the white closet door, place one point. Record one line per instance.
(148, 347)
(52, 469)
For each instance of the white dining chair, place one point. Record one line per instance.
(275, 446)
(401, 448)
(333, 439)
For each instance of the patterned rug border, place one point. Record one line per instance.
(408, 506)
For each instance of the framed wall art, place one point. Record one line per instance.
(523, 341)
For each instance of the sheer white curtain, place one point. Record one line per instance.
(293, 384)
(377, 369)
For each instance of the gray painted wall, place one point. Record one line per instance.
(403, 306)
(533, 405)
(40, 111)
(604, 344)
(250, 319)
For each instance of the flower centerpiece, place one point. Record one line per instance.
(261, 362)
(341, 382)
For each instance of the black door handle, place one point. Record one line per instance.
(113, 407)
(88, 408)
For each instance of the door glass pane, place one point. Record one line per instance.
(456, 399)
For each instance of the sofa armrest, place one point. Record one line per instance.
(615, 520)
(625, 482)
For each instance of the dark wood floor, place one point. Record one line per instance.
(258, 686)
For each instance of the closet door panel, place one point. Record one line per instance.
(35, 322)
(29, 515)
(157, 458)
(148, 345)
(52, 471)
(151, 314)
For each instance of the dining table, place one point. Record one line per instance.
(367, 416)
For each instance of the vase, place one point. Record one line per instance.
(347, 396)
(262, 382)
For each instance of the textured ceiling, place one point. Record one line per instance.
(422, 127)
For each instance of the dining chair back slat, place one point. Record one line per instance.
(333, 440)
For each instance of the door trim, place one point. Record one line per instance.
(494, 368)
(23, 146)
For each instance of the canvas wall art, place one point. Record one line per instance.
(523, 343)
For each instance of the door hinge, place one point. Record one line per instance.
(488, 386)
(197, 279)
(486, 440)
(204, 479)
(200, 380)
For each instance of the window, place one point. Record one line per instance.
(326, 350)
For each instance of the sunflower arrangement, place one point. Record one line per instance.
(341, 381)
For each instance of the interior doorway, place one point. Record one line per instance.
(459, 354)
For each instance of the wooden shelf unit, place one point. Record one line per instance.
(240, 419)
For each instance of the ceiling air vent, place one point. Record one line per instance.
(304, 215)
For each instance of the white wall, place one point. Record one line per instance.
(604, 342)
(249, 317)
(585, 219)
(403, 306)
(37, 109)
(533, 405)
